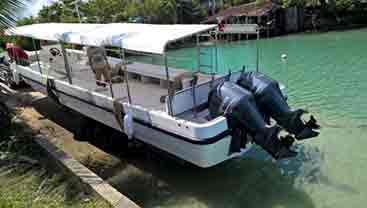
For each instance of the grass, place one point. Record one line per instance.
(28, 179)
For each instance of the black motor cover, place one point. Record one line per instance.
(271, 102)
(237, 103)
(239, 107)
(267, 93)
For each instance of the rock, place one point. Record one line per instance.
(85, 200)
(84, 197)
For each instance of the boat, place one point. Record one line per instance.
(168, 108)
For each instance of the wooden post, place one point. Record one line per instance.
(246, 21)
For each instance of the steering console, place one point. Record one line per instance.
(55, 52)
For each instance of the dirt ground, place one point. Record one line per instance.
(131, 172)
(58, 123)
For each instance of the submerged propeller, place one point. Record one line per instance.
(287, 140)
(312, 123)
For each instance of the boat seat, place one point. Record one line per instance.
(152, 73)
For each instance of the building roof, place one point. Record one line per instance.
(253, 9)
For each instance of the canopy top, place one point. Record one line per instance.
(146, 38)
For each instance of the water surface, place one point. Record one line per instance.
(326, 74)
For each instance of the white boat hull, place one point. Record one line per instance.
(203, 153)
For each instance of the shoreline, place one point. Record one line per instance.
(192, 44)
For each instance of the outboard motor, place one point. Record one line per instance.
(238, 105)
(271, 102)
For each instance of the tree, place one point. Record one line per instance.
(60, 11)
(189, 12)
(167, 13)
(9, 11)
(159, 11)
(51, 13)
(26, 21)
(104, 11)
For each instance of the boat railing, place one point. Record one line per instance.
(207, 63)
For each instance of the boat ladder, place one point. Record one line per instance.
(206, 56)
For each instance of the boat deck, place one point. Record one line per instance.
(145, 93)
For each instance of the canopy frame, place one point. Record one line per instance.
(67, 37)
(145, 38)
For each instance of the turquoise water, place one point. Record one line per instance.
(326, 74)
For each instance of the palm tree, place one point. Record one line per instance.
(9, 11)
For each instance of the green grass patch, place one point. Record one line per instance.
(29, 179)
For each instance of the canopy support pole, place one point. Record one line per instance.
(37, 56)
(216, 57)
(257, 51)
(126, 78)
(197, 72)
(246, 22)
(66, 62)
(198, 51)
(169, 98)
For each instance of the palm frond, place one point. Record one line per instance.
(10, 11)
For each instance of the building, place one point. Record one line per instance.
(267, 15)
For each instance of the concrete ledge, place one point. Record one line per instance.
(86, 176)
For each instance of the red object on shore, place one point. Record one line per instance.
(221, 26)
(16, 52)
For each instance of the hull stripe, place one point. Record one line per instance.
(206, 141)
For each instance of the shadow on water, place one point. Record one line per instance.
(306, 168)
(152, 179)
(236, 183)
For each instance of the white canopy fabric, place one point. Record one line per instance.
(146, 38)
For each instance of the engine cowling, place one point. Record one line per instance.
(272, 103)
(238, 105)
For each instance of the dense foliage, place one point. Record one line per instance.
(339, 6)
(341, 12)
(176, 11)
(326, 12)
(103, 11)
